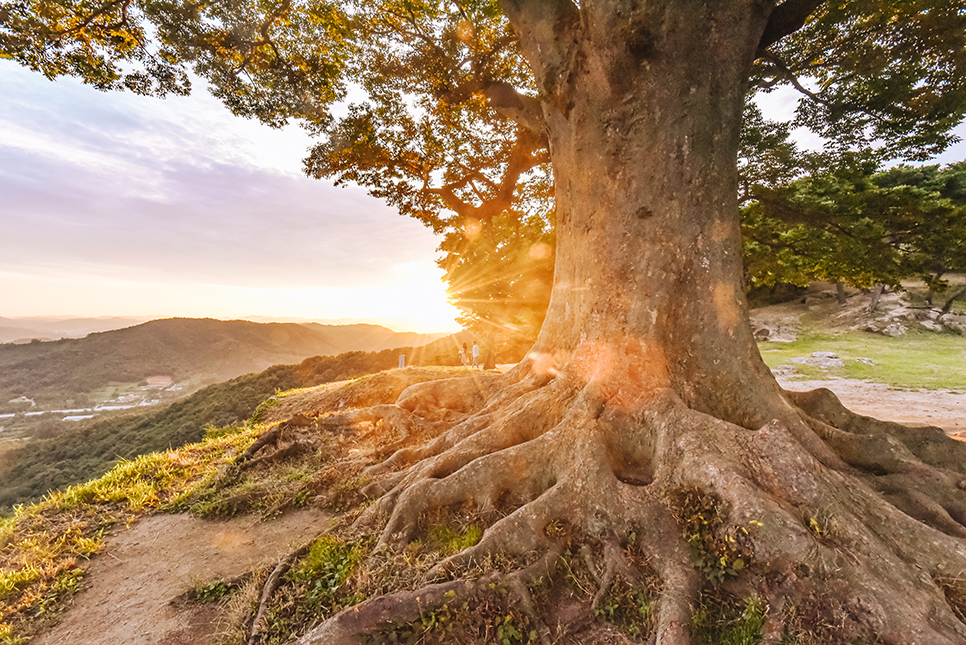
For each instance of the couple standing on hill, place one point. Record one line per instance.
(465, 355)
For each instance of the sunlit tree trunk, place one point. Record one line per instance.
(644, 114)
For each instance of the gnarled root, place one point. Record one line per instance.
(559, 463)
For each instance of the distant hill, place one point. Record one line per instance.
(23, 330)
(76, 453)
(372, 338)
(192, 352)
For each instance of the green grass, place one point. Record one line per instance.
(43, 545)
(718, 622)
(913, 361)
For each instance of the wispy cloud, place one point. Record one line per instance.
(120, 187)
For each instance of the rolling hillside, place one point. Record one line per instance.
(24, 329)
(77, 452)
(191, 352)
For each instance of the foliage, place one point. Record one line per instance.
(857, 227)
(446, 123)
(500, 276)
(630, 608)
(451, 541)
(716, 549)
(877, 76)
(212, 592)
(723, 621)
(325, 569)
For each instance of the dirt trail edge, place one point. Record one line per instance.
(141, 569)
(944, 409)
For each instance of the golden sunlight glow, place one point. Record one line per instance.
(625, 373)
(726, 305)
(411, 298)
(540, 251)
(471, 228)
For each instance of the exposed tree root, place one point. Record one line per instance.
(818, 509)
(271, 585)
(288, 439)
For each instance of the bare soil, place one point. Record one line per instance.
(945, 409)
(133, 583)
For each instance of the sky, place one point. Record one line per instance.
(113, 204)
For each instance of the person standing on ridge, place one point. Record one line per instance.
(476, 354)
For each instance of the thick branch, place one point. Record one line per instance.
(527, 153)
(524, 110)
(786, 19)
(544, 29)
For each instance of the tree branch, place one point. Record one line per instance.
(786, 19)
(526, 111)
(527, 153)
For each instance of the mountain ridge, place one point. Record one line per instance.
(192, 351)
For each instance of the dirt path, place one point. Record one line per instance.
(141, 569)
(943, 408)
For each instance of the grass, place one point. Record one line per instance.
(914, 361)
(43, 546)
(719, 620)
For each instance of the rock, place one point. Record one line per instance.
(823, 360)
(894, 330)
(786, 371)
(931, 325)
(867, 361)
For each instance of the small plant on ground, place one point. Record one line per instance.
(212, 592)
(720, 620)
(628, 608)
(717, 550)
(452, 541)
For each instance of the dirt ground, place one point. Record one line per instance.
(942, 408)
(142, 569)
(132, 582)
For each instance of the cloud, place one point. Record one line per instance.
(116, 186)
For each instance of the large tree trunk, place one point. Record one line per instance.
(645, 388)
(644, 138)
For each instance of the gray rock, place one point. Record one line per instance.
(824, 355)
(823, 360)
(894, 330)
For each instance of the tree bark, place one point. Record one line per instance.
(840, 295)
(876, 295)
(644, 117)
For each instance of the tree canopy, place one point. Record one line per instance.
(858, 227)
